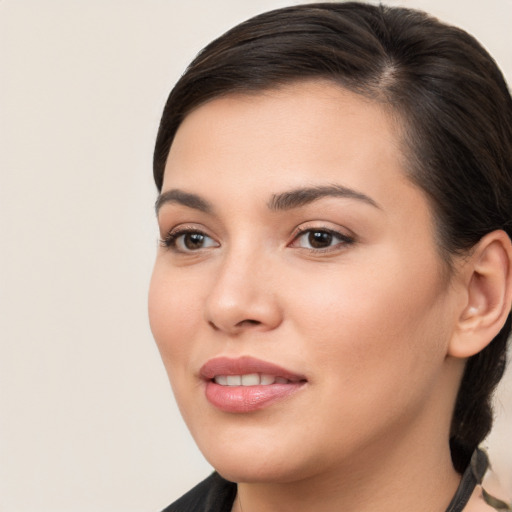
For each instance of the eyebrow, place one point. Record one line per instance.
(184, 198)
(303, 196)
(283, 201)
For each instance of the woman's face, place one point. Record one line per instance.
(296, 252)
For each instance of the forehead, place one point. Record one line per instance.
(310, 128)
(314, 96)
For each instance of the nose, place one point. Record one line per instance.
(243, 296)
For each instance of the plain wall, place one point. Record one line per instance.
(87, 420)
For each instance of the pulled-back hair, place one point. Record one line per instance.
(453, 106)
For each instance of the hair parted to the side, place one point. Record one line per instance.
(453, 106)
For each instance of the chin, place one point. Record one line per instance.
(257, 472)
(258, 460)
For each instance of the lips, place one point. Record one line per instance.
(246, 384)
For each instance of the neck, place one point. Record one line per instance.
(420, 479)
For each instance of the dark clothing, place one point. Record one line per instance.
(217, 495)
(470, 479)
(211, 495)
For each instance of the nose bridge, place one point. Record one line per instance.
(243, 295)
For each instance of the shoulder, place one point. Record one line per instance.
(487, 496)
(478, 503)
(214, 494)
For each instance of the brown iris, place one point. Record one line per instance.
(319, 239)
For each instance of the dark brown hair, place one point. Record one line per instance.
(454, 109)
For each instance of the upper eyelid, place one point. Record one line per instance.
(304, 229)
(185, 227)
(334, 232)
(313, 225)
(181, 229)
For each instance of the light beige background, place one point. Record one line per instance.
(87, 420)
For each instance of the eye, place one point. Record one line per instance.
(186, 241)
(318, 239)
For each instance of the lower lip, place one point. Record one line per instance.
(240, 399)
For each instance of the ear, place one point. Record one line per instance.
(487, 277)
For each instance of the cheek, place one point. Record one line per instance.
(368, 322)
(173, 315)
(374, 347)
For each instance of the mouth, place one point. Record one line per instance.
(246, 384)
(249, 379)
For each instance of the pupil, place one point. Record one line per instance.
(320, 239)
(194, 240)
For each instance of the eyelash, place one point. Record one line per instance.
(343, 240)
(170, 241)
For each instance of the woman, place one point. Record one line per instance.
(332, 294)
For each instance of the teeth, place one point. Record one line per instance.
(265, 380)
(250, 379)
(222, 380)
(234, 380)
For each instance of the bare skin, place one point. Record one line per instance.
(346, 288)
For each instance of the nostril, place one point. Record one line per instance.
(236, 328)
(212, 325)
(248, 322)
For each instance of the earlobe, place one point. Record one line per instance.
(488, 281)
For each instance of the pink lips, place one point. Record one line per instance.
(247, 398)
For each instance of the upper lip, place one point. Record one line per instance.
(245, 365)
